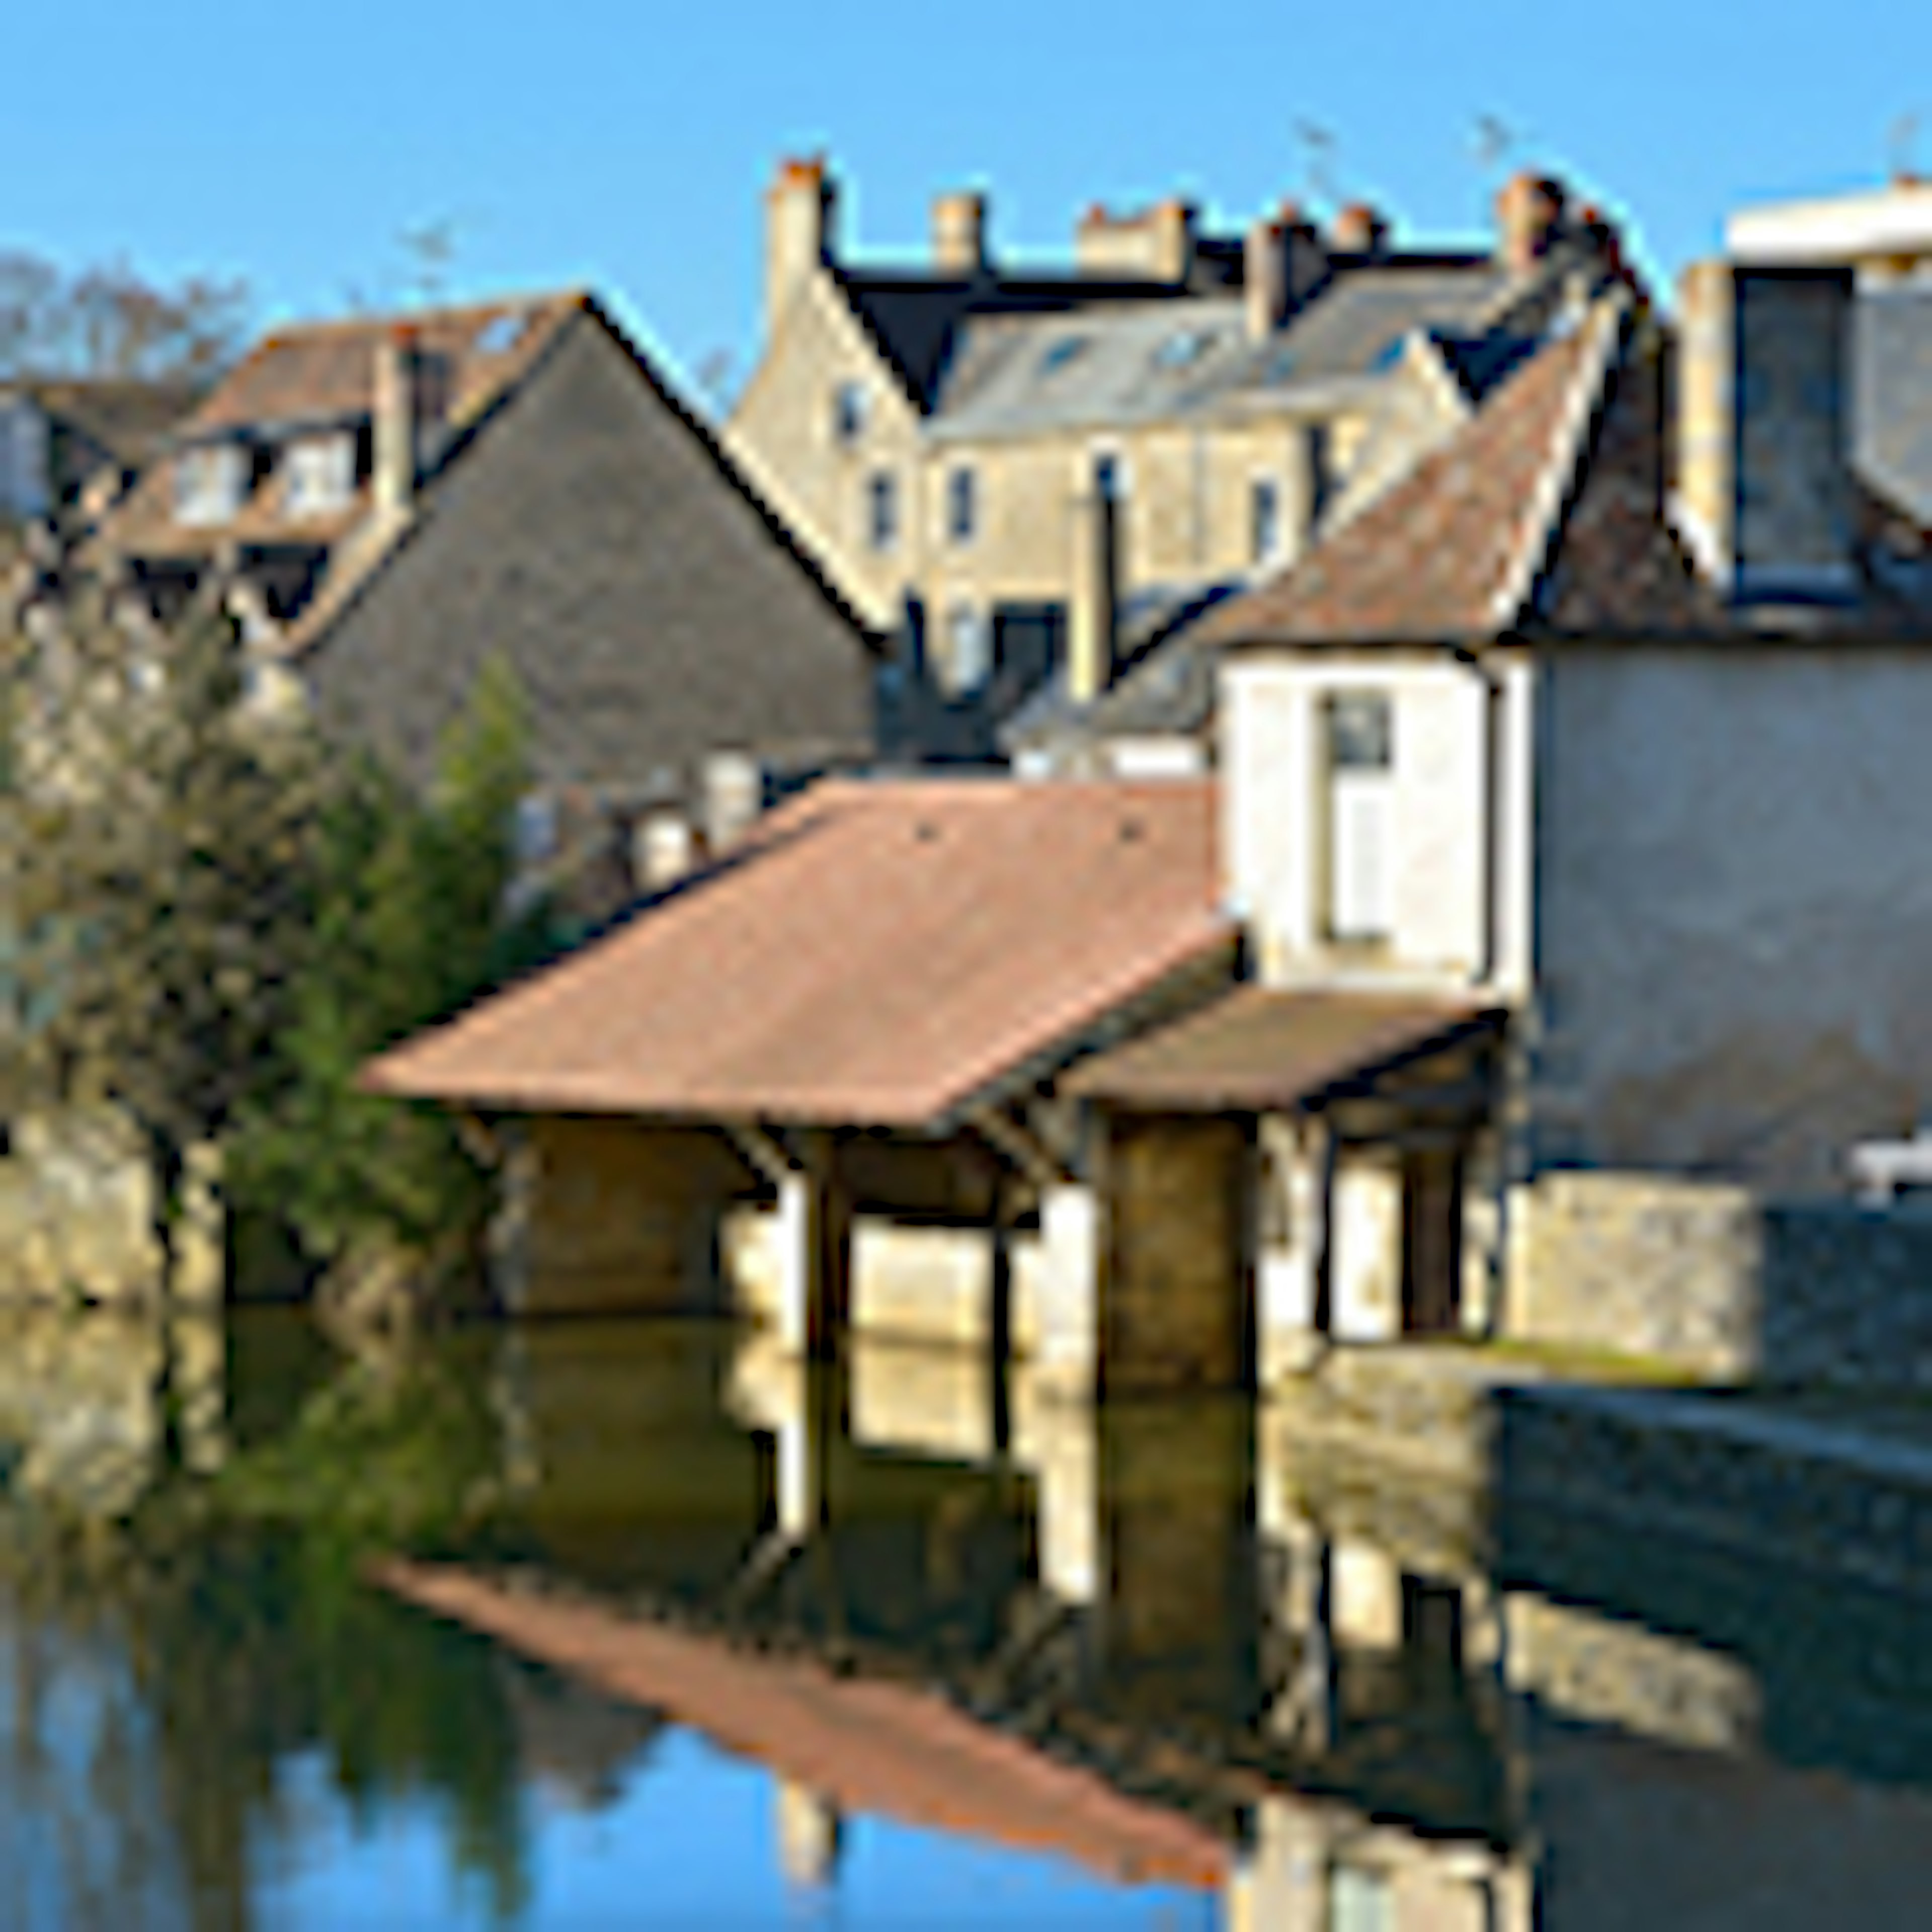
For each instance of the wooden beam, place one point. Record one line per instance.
(1018, 1146)
(763, 1153)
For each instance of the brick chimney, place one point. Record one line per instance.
(1359, 229)
(1529, 217)
(1762, 493)
(959, 233)
(1283, 262)
(801, 212)
(1155, 243)
(1092, 617)
(393, 457)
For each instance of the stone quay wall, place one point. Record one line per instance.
(1784, 1489)
(1717, 1281)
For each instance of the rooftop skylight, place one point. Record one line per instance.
(1062, 350)
(501, 333)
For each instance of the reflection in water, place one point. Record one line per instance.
(718, 1633)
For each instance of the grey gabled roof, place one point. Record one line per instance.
(1119, 364)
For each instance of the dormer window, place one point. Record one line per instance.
(318, 475)
(849, 410)
(210, 482)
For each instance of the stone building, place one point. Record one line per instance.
(1563, 932)
(1043, 473)
(386, 504)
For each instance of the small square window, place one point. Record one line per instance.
(962, 505)
(849, 411)
(882, 510)
(1361, 735)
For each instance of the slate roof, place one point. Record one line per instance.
(1115, 364)
(128, 420)
(879, 953)
(915, 318)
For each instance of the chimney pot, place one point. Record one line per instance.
(801, 214)
(1360, 229)
(959, 233)
(1529, 214)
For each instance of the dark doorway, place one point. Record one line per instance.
(1431, 1240)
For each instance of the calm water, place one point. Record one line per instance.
(717, 1644)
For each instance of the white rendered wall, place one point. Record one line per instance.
(1275, 778)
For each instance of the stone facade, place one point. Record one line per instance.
(77, 1217)
(1718, 1283)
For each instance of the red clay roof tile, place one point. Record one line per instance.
(880, 953)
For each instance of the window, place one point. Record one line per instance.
(1183, 349)
(1361, 795)
(961, 507)
(1264, 519)
(882, 510)
(501, 333)
(1110, 477)
(210, 482)
(318, 475)
(1059, 353)
(849, 412)
(969, 656)
(1360, 1900)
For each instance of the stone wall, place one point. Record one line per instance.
(77, 1217)
(1707, 1278)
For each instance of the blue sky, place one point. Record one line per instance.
(625, 145)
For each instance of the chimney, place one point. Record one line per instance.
(1529, 217)
(1093, 619)
(1360, 230)
(1157, 244)
(959, 233)
(1283, 263)
(393, 461)
(801, 209)
(1763, 495)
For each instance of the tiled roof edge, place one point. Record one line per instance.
(1611, 321)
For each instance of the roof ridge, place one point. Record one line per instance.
(570, 295)
(1609, 319)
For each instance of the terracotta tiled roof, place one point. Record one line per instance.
(1260, 1049)
(325, 373)
(879, 953)
(862, 1746)
(1454, 550)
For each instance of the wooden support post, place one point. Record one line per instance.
(1324, 1322)
(815, 1226)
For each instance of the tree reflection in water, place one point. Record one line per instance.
(162, 1673)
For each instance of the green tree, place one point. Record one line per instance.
(162, 844)
(411, 925)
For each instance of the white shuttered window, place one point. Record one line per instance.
(1361, 811)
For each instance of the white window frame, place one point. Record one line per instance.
(1360, 820)
(211, 483)
(969, 648)
(318, 475)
